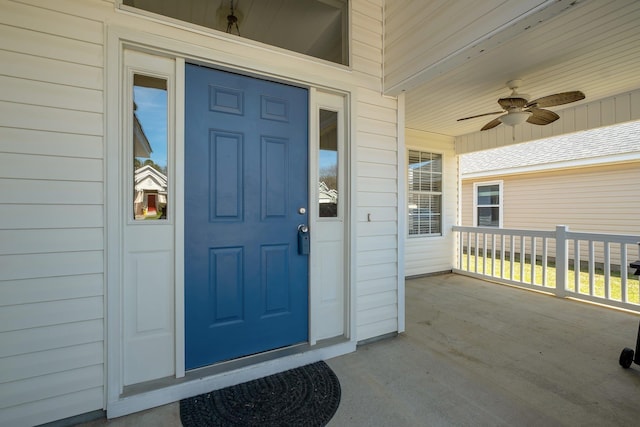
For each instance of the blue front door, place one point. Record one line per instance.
(246, 286)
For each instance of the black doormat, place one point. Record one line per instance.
(305, 396)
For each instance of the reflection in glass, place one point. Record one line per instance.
(328, 185)
(149, 148)
(488, 217)
(318, 28)
(489, 195)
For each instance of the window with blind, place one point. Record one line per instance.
(424, 194)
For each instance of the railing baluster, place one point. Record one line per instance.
(523, 256)
(533, 260)
(545, 244)
(493, 254)
(576, 265)
(562, 260)
(484, 253)
(502, 238)
(463, 246)
(592, 268)
(460, 239)
(623, 273)
(475, 253)
(512, 256)
(469, 252)
(607, 270)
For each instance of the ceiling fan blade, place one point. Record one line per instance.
(493, 123)
(512, 102)
(557, 99)
(541, 117)
(480, 115)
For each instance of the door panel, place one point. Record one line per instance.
(329, 257)
(246, 150)
(148, 338)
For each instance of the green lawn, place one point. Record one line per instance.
(633, 288)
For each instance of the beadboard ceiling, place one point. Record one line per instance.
(453, 58)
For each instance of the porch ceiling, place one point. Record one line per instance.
(453, 61)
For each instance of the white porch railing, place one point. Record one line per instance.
(587, 266)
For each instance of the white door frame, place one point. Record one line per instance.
(116, 404)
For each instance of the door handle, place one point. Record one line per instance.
(304, 245)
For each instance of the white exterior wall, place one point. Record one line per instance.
(53, 127)
(376, 181)
(432, 254)
(51, 215)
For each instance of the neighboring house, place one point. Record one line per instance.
(583, 180)
(150, 187)
(328, 200)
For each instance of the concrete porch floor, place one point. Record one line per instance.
(481, 354)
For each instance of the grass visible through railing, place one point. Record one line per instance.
(633, 286)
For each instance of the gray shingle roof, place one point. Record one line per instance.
(590, 144)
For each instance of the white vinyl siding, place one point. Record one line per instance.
(433, 254)
(377, 204)
(376, 180)
(52, 191)
(51, 205)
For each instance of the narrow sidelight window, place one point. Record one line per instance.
(150, 180)
(328, 158)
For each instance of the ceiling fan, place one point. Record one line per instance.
(519, 109)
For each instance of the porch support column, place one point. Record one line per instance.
(562, 260)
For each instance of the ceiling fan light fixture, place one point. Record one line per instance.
(515, 118)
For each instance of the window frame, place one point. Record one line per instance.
(347, 44)
(440, 193)
(340, 176)
(500, 204)
(127, 155)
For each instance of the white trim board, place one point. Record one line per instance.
(176, 392)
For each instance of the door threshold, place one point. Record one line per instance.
(225, 366)
(158, 392)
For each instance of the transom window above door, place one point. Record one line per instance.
(317, 28)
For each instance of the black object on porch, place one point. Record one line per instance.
(305, 396)
(627, 355)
